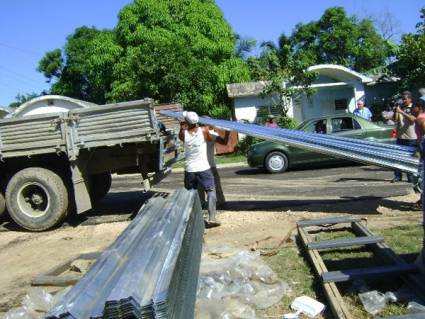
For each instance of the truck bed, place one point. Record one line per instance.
(85, 128)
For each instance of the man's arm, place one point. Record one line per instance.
(421, 123)
(410, 117)
(206, 133)
(223, 140)
(183, 128)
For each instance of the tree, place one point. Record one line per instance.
(338, 39)
(84, 68)
(176, 50)
(286, 76)
(244, 46)
(411, 56)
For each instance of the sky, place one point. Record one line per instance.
(30, 28)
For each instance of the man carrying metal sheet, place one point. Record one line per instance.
(216, 138)
(197, 169)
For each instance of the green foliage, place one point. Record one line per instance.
(245, 143)
(339, 39)
(176, 50)
(287, 122)
(86, 70)
(411, 56)
(51, 64)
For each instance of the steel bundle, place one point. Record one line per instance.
(149, 271)
(363, 151)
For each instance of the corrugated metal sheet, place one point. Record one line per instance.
(384, 155)
(150, 271)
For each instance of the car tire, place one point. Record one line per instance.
(276, 162)
(100, 184)
(37, 198)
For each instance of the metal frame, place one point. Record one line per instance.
(397, 265)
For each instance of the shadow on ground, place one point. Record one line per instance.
(115, 207)
(363, 205)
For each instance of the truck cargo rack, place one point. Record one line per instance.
(396, 266)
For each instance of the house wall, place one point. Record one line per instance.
(246, 107)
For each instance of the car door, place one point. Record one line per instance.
(317, 126)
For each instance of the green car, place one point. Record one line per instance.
(277, 158)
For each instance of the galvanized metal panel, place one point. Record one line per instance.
(150, 270)
(384, 155)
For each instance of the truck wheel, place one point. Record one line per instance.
(2, 204)
(100, 184)
(276, 162)
(37, 198)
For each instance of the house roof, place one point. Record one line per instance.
(246, 89)
(339, 72)
(334, 71)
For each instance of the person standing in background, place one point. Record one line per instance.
(406, 134)
(362, 111)
(271, 122)
(215, 138)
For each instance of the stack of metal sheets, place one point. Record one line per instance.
(357, 150)
(150, 271)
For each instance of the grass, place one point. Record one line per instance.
(221, 159)
(292, 266)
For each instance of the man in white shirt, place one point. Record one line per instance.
(197, 170)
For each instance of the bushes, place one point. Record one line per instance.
(283, 122)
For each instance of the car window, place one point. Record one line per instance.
(356, 125)
(318, 126)
(344, 124)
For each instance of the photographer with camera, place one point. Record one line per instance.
(406, 134)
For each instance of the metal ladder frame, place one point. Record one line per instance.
(363, 237)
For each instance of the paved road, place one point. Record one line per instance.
(246, 188)
(252, 189)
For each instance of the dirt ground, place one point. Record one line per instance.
(24, 255)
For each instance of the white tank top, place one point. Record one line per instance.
(195, 152)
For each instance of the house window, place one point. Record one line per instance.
(264, 110)
(341, 104)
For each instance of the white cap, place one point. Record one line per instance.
(191, 117)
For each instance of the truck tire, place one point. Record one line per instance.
(100, 184)
(2, 205)
(37, 198)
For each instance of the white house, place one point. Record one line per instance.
(337, 90)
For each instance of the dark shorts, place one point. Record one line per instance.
(204, 178)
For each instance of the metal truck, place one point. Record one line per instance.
(57, 155)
